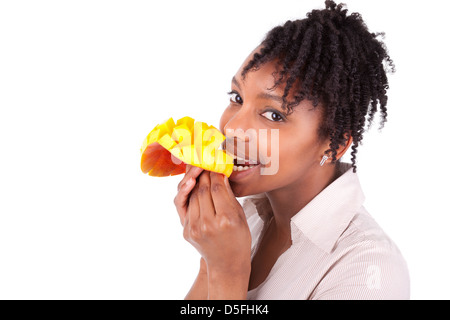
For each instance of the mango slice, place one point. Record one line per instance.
(170, 146)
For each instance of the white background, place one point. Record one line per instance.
(83, 82)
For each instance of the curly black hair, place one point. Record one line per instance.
(331, 59)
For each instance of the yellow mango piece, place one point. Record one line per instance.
(199, 129)
(151, 137)
(190, 155)
(167, 126)
(182, 134)
(187, 121)
(177, 155)
(223, 163)
(170, 146)
(167, 142)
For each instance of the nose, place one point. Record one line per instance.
(238, 126)
(241, 135)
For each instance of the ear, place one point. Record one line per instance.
(343, 148)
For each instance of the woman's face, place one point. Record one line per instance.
(281, 150)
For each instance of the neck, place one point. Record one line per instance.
(289, 200)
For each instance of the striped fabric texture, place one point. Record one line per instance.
(338, 251)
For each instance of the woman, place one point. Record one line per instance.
(302, 231)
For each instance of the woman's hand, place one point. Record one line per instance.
(184, 189)
(199, 290)
(215, 224)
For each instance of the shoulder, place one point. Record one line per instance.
(366, 265)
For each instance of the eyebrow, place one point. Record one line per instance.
(263, 95)
(236, 83)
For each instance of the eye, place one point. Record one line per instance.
(235, 97)
(273, 116)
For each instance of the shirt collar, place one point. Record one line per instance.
(325, 217)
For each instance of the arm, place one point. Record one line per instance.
(222, 286)
(199, 290)
(215, 224)
(217, 227)
(228, 285)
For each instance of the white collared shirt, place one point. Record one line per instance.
(338, 251)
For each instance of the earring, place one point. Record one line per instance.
(324, 158)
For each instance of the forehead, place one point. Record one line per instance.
(268, 65)
(262, 81)
(263, 78)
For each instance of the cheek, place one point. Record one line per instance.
(297, 151)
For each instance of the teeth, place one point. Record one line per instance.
(242, 160)
(241, 168)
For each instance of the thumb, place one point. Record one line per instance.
(228, 187)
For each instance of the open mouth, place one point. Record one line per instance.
(242, 164)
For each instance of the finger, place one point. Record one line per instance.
(221, 197)
(228, 187)
(191, 172)
(233, 199)
(185, 187)
(206, 204)
(193, 215)
(189, 167)
(182, 197)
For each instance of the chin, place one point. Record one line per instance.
(239, 190)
